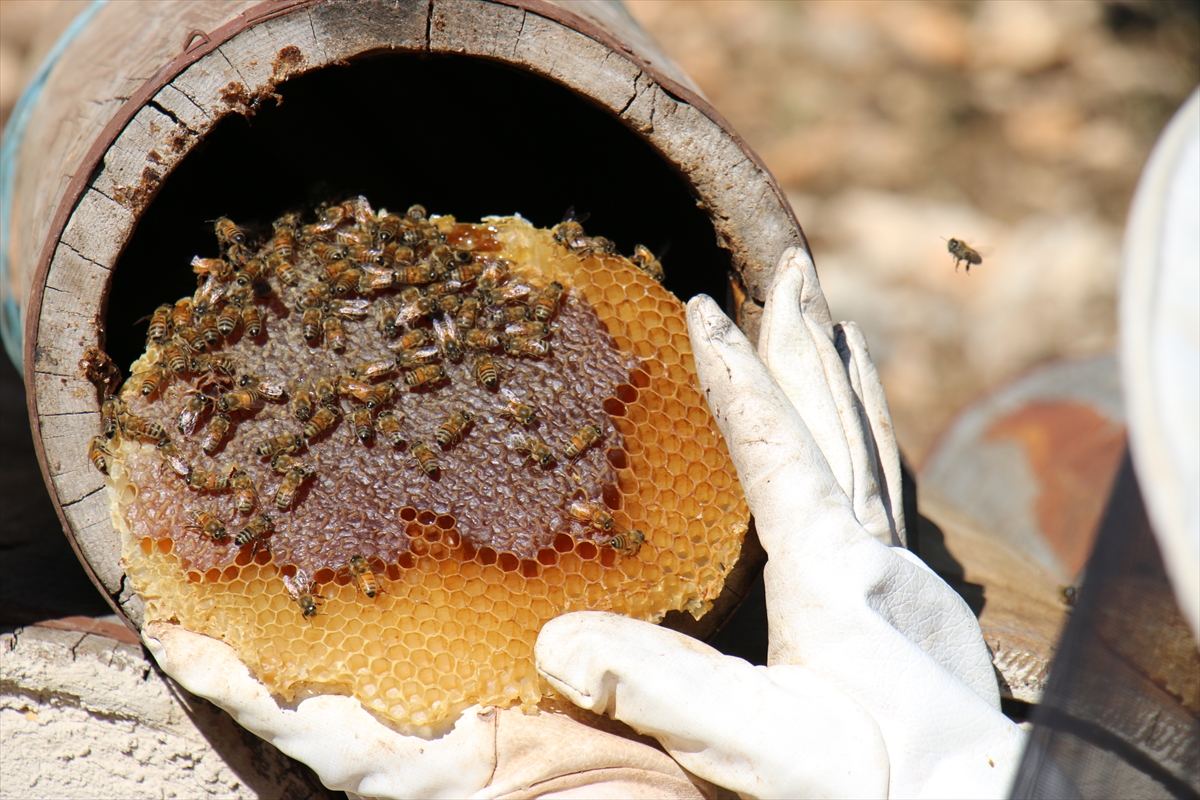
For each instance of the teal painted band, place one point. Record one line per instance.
(14, 133)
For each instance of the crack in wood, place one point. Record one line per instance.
(79, 500)
(64, 243)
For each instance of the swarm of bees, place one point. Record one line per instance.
(351, 272)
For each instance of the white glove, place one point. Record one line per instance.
(878, 680)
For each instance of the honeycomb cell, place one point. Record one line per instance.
(475, 560)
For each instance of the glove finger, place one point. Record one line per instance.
(879, 419)
(333, 734)
(795, 318)
(788, 482)
(719, 717)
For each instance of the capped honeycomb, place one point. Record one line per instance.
(376, 452)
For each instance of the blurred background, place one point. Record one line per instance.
(1019, 127)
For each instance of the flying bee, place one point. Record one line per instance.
(592, 514)
(245, 495)
(193, 409)
(389, 428)
(182, 313)
(360, 568)
(252, 319)
(215, 433)
(327, 253)
(326, 393)
(98, 455)
(485, 370)
(482, 340)
(453, 427)
(110, 416)
(175, 460)
(364, 427)
(645, 260)
(199, 480)
(627, 543)
(447, 334)
(141, 428)
(246, 399)
(230, 317)
(582, 439)
(250, 273)
(286, 494)
(207, 326)
(547, 302)
(414, 339)
(302, 404)
(521, 412)
(424, 377)
(160, 323)
(312, 323)
(421, 356)
(255, 532)
(304, 592)
(228, 232)
(271, 390)
(207, 525)
(528, 330)
(536, 450)
(533, 348)
(335, 333)
(346, 282)
(284, 443)
(389, 228)
(467, 314)
(371, 370)
(381, 394)
(425, 459)
(321, 421)
(152, 380)
(963, 252)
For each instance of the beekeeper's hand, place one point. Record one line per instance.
(878, 680)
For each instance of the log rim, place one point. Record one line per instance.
(193, 52)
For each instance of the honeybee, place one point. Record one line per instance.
(468, 313)
(534, 348)
(350, 309)
(193, 409)
(570, 233)
(510, 293)
(373, 369)
(207, 327)
(284, 443)
(421, 274)
(444, 289)
(210, 293)
(420, 357)
(110, 416)
(601, 245)
(389, 228)
(286, 494)
(302, 404)
(311, 322)
(582, 439)
(417, 213)
(447, 334)
(389, 428)
(191, 338)
(245, 496)
(160, 323)
(255, 532)
(199, 480)
(335, 334)
(147, 430)
(152, 380)
(314, 297)
(482, 340)
(467, 272)
(252, 319)
(963, 252)
(217, 268)
(536, 450)
(287, 272)
(346, 282)
(230, 317)
(215, 433)
(360, 420)
(453, 427)
(414, 339)
(349, 387)
(284, 242)
(627, 543)
(415, 309)
(547, 301)
(271, 390)
(644, 260)
(423, 377)
(592, 514)
(388, 324)
(100, 370)
(282, 463)
(485, 370)
(528, 330)
(98, 455)
(251, 272)
(181, 313)
(326, 393)
(321, 421)
(360, 568)
(228, 232)
(304, 593)
(241, 400)
(382, 393)
(521, 412)
(327, 253)
(208, 525)
(425, 459)
(170, 453)
(507, 315)
(449, 304)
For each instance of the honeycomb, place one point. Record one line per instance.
(418, 592)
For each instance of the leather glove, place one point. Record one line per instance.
(878, 680)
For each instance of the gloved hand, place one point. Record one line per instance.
(878, 680)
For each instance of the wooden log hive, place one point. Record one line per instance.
(160, 115)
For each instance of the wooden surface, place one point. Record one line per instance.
(144, 84)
